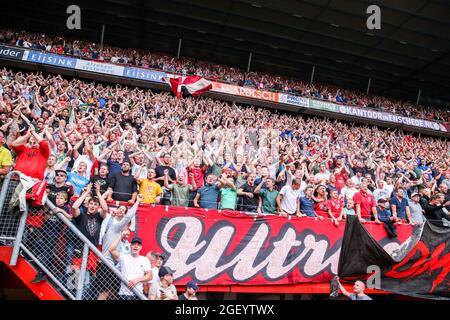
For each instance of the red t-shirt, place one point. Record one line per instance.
(95, 165)
(340, 181)
(366, 201)
(321, 209)
(335, 206)
(199, 175)
(32, 161)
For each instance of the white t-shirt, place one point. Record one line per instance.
(348, 193)
(357, 180)
(303, 186)
(103, 227)
(144, 171)
(389, 188)
(155, 277)
(290, 177)
(169, 291)
(132, 268)
(289, 201)
(381, 193)
(322, 176)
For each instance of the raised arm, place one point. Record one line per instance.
(166, 180)
(21, 140)
(258, 188)
(76, 205)
(113, 248)
(103, 204)
(343, 290)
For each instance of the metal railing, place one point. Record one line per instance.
(9, 218)
(58, 250)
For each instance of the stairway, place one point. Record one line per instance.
(26, 273)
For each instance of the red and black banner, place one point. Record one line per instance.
(420, 267)
(230, 248)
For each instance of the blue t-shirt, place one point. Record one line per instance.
(307, 206)
(208, 196)
(102, 102)
(383, 215)
(78, 182)
(401, 206)
(114, 168)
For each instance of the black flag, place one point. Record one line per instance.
(419, 268)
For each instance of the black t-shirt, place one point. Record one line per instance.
(89, 225)
(249, 204)
(123, 186)
(371, 172)
(435, 215)
(104, 182)
(182, 297)
(53, 190)
(160, 173)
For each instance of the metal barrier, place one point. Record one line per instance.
(56, 248)
(9, 219)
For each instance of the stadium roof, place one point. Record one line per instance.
(410, 52)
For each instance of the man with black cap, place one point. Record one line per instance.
(134, 267)
(59, 185)
(190, 293)
(164, 288)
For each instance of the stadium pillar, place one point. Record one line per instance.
(418, 96)
(312, 74)
(179, 47)
(102, 36)
(369, 82)
(249, 61)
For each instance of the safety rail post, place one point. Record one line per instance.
(82, 276)
(92, 247)
(4, 190)
(19, 236)
(22, 222)
(9, 222)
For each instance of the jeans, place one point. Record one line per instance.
(390, 228)
(70, 247)
(192, 195)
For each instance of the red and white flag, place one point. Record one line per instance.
(175, 83)
(195, 85)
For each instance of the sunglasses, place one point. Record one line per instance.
(61, 175)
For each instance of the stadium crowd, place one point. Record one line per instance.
(217, 72)
(188, 152)
(103, 144)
